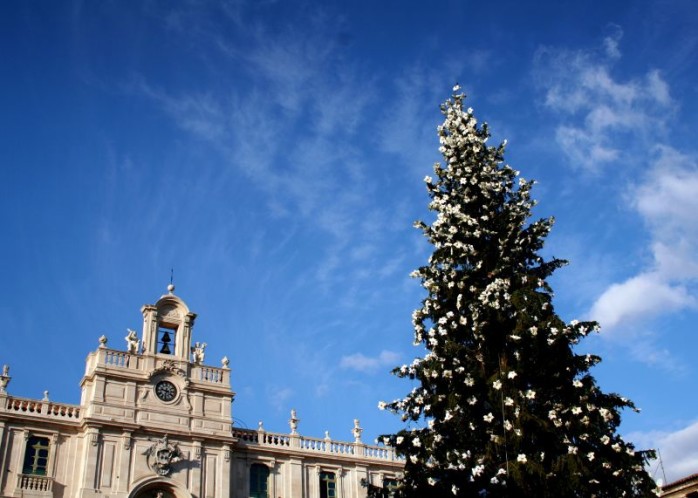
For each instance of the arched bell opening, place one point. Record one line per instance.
(167, 327)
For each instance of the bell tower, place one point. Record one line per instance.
(167, 327)
(155, 412)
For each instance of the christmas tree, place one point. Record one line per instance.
(503, 404)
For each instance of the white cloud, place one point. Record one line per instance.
(637, 298)
(597, 108)
(611, 42)
(678, 450)
(667, 197)
(667, 201)
(362, 363)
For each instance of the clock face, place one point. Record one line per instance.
(165, 390)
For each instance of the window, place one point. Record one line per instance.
(36, 456)
(259, 477)
(390, 486)
(328, 485)
(166, 339)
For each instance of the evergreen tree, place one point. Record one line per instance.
(503, 404)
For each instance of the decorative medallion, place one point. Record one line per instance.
(162, 455)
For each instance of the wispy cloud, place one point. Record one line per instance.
(617, 129)
(367, 364)
(278, 397)
(599, 109)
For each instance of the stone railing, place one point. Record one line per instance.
(327, 446)
(60, 411)
(116, 358)
(213, 375)
(251, 437)
(35, 484)
(112, 358)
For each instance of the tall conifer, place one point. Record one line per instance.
(504, 406)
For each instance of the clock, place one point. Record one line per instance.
(165, 390)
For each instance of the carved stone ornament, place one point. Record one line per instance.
(168, 366)
(5, 378)
(161, 455)
(170, 312)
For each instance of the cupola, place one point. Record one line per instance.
(167, 327)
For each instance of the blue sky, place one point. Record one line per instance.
(272, 153)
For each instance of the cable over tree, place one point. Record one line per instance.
(503, 407)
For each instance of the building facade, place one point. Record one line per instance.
(683, 488)
(155, 421)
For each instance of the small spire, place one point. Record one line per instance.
(171, 287)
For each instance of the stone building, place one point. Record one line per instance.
(155, 421)
(686, 487)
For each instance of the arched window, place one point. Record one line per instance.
(328, 485)
(36, 456)
(259, 479)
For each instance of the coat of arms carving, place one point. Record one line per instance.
(162, 454)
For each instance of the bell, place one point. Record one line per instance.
(166, 343)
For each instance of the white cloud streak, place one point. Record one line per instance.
(368, 364)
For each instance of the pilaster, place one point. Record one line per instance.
(90, 461)
(124, 463)
(196, 483)
(296, 478)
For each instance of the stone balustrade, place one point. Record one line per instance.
(35, 484)
(313, 445)
(116, 358)
(111, 358)
(41, 408)
(209, 374)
